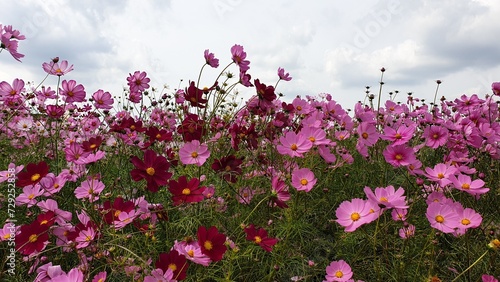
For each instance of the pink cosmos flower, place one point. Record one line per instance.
(387, 197)
(440, 173)
(245, 195)
(8, 91)
(239, 56)
(74, 275)
(326, 154)
(89, 189)
(192, 251)
(51, 205)
(55, 68)
(158, 275)
(54, 111)
(90, 158)
(294, 145)
(435, 136)
(194, 153)
(283, 76)
(135, 97)
(279, 192)
(495, 87)
(398, 136)
(399, 214)
(399, 155)
(52, 184)
(100, 277)
(488, 278)
(210, 59)
(72, 92)
(138, 81)
(7, 231)
(464, 183)
(338, 271)
(28, 197)
(303, 179)
(124, 219)
(12, 170)
(407, 232)
(368, 134)
(301, 106)
(316, 135)
(9, 40)
(102, 100)
(468, 218)
(352, 214)
(74, 151)
(85, 237)
(442, 217)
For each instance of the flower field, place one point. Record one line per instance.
(189, 185)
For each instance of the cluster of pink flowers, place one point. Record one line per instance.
(9, 40)
(181, 157)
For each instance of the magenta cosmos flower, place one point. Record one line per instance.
(138, 81)
(239, 56)
(368, 134)
(338, 271)
(54, 68)
(210, 59)
(294, 145)
(495, 87)
(440, 173)
(399, 155)
(435, 136)
(8, 91)
(398, 136)
(72, 92)
(284, 76)
(465, 183)
(102, 100)
(303, 179)
(442, 217)
(352, 214)
(194, 153)
(387, 197)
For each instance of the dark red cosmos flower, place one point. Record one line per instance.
(33, 174)
(176, 262)
(111, 212)
(129, 123)
(32, 238)
(259, 236)
(47, 219)
(229, 167)
(156, 134)
(92, 144)
(212, 242)
(194, 95)
(192, 128)
(241, 133)
(264, 92)
(186, 192)
(154, 169)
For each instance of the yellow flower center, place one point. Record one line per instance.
(194, 154)
(383, 199)
(150, 171)
(435, 136)
(117, 213)
(35, 177)
(31, 196)
(190, 253)
(299, 108)
(227, 168)
(364, 135)
(440, 175)
(208, 245)
(88, 238)
(294, 147)
(93, 146)
(466, 186)
(303, 181)
(172, 266)
(398, 157)
(257, 239)
(6, 236)
(398, 136)
(33, 238)
(44, 222)
(465, 221)
(312, 139)
(355, 216)
(439, 218)
(186, 191)
(339, 274)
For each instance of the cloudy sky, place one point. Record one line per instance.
(335, 47)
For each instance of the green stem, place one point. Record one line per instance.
(468, 268)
